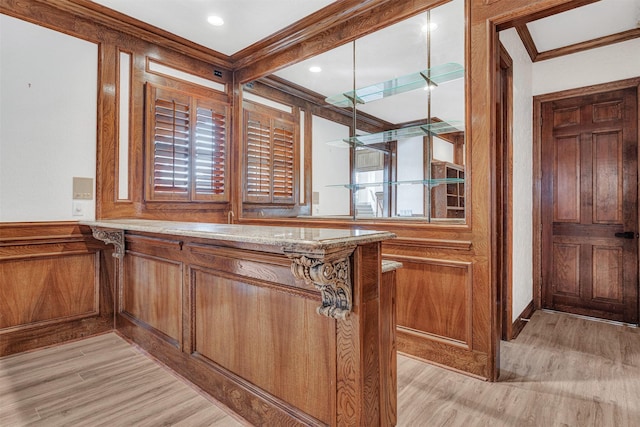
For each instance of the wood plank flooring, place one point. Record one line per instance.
(560, 371)
(100, 381)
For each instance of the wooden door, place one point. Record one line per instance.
(590, 195)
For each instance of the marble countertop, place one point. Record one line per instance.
(286, 237)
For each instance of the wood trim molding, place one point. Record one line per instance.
(505, 89)
(460, 245)
(521, 321)
(589, 44)
(527, 41)
(521, 16)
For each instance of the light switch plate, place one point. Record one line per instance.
(82, 188)
(78, 208)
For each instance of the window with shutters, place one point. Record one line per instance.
(186, 147)
(270, 158)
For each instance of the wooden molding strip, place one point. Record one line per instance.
(49, 322)
(589, 44)
(508, 21)
(41, 240)
(462, 245)
(521, 321)
(432, 337)
(527, 41)
(48, 254)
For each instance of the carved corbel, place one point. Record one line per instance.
(331, 275)
(111, 237)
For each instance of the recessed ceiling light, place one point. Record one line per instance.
(431, 26)
(315, 69)
(215, 20)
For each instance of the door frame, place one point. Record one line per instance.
(504, 190)
(537, 165)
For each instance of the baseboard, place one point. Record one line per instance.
(521, 321)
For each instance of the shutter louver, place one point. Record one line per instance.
(171, 135)
(186, 147)
(258, 159)
(283, 163)
(270, 175)
(210, 144)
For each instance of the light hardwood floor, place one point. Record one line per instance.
(99, 381)
(561, 371)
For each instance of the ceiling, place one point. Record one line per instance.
(245, 21)
(250, 21)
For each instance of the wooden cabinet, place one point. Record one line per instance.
(447, 199)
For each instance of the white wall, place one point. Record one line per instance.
(605, 64)
(48, 121)
(330, 167)
(522, 172)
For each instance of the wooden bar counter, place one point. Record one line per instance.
(286, 326)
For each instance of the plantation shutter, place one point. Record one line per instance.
(170, 136)
(258, 159)
(210, 151)
(187, 146)
(283, 161)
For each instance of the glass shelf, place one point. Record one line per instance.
(432, 76)
(436, 128)
(428, 182)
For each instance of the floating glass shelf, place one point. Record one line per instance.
(435, 128)
(430, 77)
(428, 182)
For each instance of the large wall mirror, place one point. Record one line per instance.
(382, 119)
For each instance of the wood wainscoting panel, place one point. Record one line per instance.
(56, 285)
(152, 294)
(434, 297)
(270, 328)
(36, 291)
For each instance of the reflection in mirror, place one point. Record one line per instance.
(384, 119)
